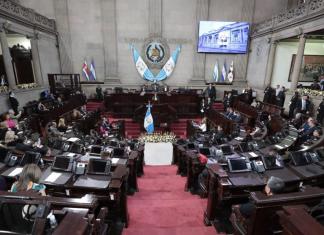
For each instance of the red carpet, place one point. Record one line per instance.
(162, 207)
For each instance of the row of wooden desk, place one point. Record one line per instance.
(109, 191)
(224, 189)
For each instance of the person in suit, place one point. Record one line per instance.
(293, 104)
(274, 186)
(237, 117)
(281, 97)
(267, 94)
(304, 105)
(307, 130)
(210, 92)
(322, 82)
(13, 102)
(320, 113)
(248, 95)
(230, 113)
(278, 89)
(228, 101)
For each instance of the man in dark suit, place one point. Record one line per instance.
(304, 105)
(293, 104)
(268, 94)
(228, 100)
(320, 113)
(281, 97)
(13, 102)
(274, 185)
(211, 92)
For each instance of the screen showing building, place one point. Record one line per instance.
(223, 37)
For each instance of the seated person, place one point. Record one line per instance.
(297, 122)
(237, 117)
(219, 132)
(28, 180)
(203, 125)
(229, 113)
(8, 122)
(274, 185)
(104, 127)
(317, 133)
(76, 114)
(41, 107)
(13, 116)
(258, 131)
(307, 129)
(10, 138)
(61, 125)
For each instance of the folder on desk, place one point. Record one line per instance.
(92, 181)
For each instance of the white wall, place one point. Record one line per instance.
(283, 57)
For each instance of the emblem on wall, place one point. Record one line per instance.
(156, 52)
(156, 64)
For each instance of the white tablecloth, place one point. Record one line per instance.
(158, 154)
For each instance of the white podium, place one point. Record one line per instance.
(158, 154)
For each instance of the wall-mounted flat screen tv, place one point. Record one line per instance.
(223, 37)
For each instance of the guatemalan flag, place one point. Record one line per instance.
(148, 120)
(168, 68)
(216, 72)
(92, 74)
(141, 67)
(224, 73)
(85, 70)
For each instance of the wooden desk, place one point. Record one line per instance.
(270, 108)
(295, 220)
(264, 219)
(215, 118)
(233, 188)
(125, 104)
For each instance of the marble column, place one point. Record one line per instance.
(155, 18)
(199, 60)
(7, 59)
(108, 12)
(298, 62)
(36, 60)
(270, 64)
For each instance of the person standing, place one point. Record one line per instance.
(304, 105)
(13, 102)
(320, 113)
(293, 104)
(281, 97)
(211, 92)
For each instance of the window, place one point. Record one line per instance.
(3, 75)
(22, 61)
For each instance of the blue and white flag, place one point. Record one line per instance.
(216, 72)
(93, 75)
(141, 67)
(169, 66)
(148, 120)
(224, 73)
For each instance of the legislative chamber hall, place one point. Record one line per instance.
(162, 117)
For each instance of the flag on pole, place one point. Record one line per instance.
(224, 73)
(148, 120)
(216, 72)
(92, 71)
(230, 75)
(141, 66)
(85, 70)
(169, 65)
